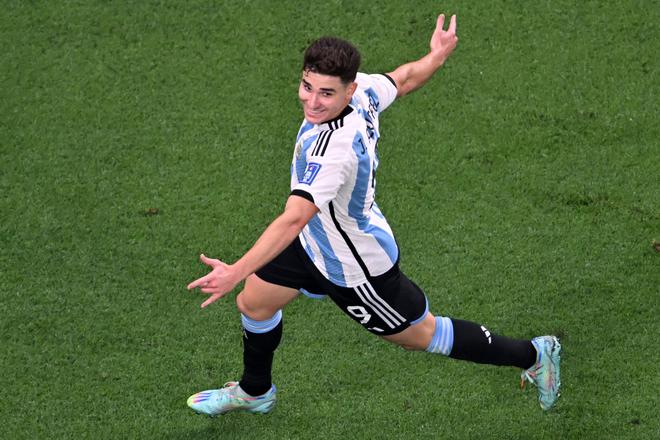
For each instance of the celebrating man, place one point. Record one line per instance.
(332, 239)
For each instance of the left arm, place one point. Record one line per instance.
(413, 75)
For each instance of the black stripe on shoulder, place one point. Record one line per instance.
(319, 142)
(348, 241)
(323, 140)
(327, 141)
(303, 194)
(391, 79)
(333, 123)
(322, 143)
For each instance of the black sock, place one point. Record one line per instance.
(258, 350)
(473, 342)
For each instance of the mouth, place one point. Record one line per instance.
(314, 113)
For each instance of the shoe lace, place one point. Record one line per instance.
(529, 375)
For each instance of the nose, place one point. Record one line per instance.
(313, 100)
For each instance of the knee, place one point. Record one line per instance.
(417, 336)
(252, 309)
(243, 304)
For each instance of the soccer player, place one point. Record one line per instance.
(332, 239)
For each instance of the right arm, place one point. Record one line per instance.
(277, 236)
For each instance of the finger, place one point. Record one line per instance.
(440, 23)
(209, 261)
(203, 281)
(212, 299)
(452, 25)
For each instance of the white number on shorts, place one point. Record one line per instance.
(360, 313)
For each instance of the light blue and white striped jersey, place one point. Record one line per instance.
(334, 165)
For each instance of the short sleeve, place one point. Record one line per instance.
(324, 175)
(383, 86)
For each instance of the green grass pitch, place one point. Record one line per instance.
(522, 183)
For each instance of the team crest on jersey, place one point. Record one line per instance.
(310, 173)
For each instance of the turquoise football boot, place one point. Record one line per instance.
(545, 372)
(231, 398)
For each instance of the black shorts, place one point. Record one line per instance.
(385, 305)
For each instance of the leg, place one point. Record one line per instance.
(394, 307)
(260, 304)
(539, 358)
(260, 300)
(465, 340)
(474, 342)
(417, 337)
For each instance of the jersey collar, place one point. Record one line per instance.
(338, 121)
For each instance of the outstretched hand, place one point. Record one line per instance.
(216, 283)
(443, 42)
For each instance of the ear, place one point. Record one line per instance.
(352, 87)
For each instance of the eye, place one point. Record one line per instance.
(307, 87)
(327, 94)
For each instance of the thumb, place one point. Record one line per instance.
(208, 261)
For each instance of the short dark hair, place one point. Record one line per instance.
(332, 56)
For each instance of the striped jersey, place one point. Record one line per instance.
(334, 166)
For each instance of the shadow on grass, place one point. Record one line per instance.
(238, 426)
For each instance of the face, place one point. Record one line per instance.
(323, 97)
